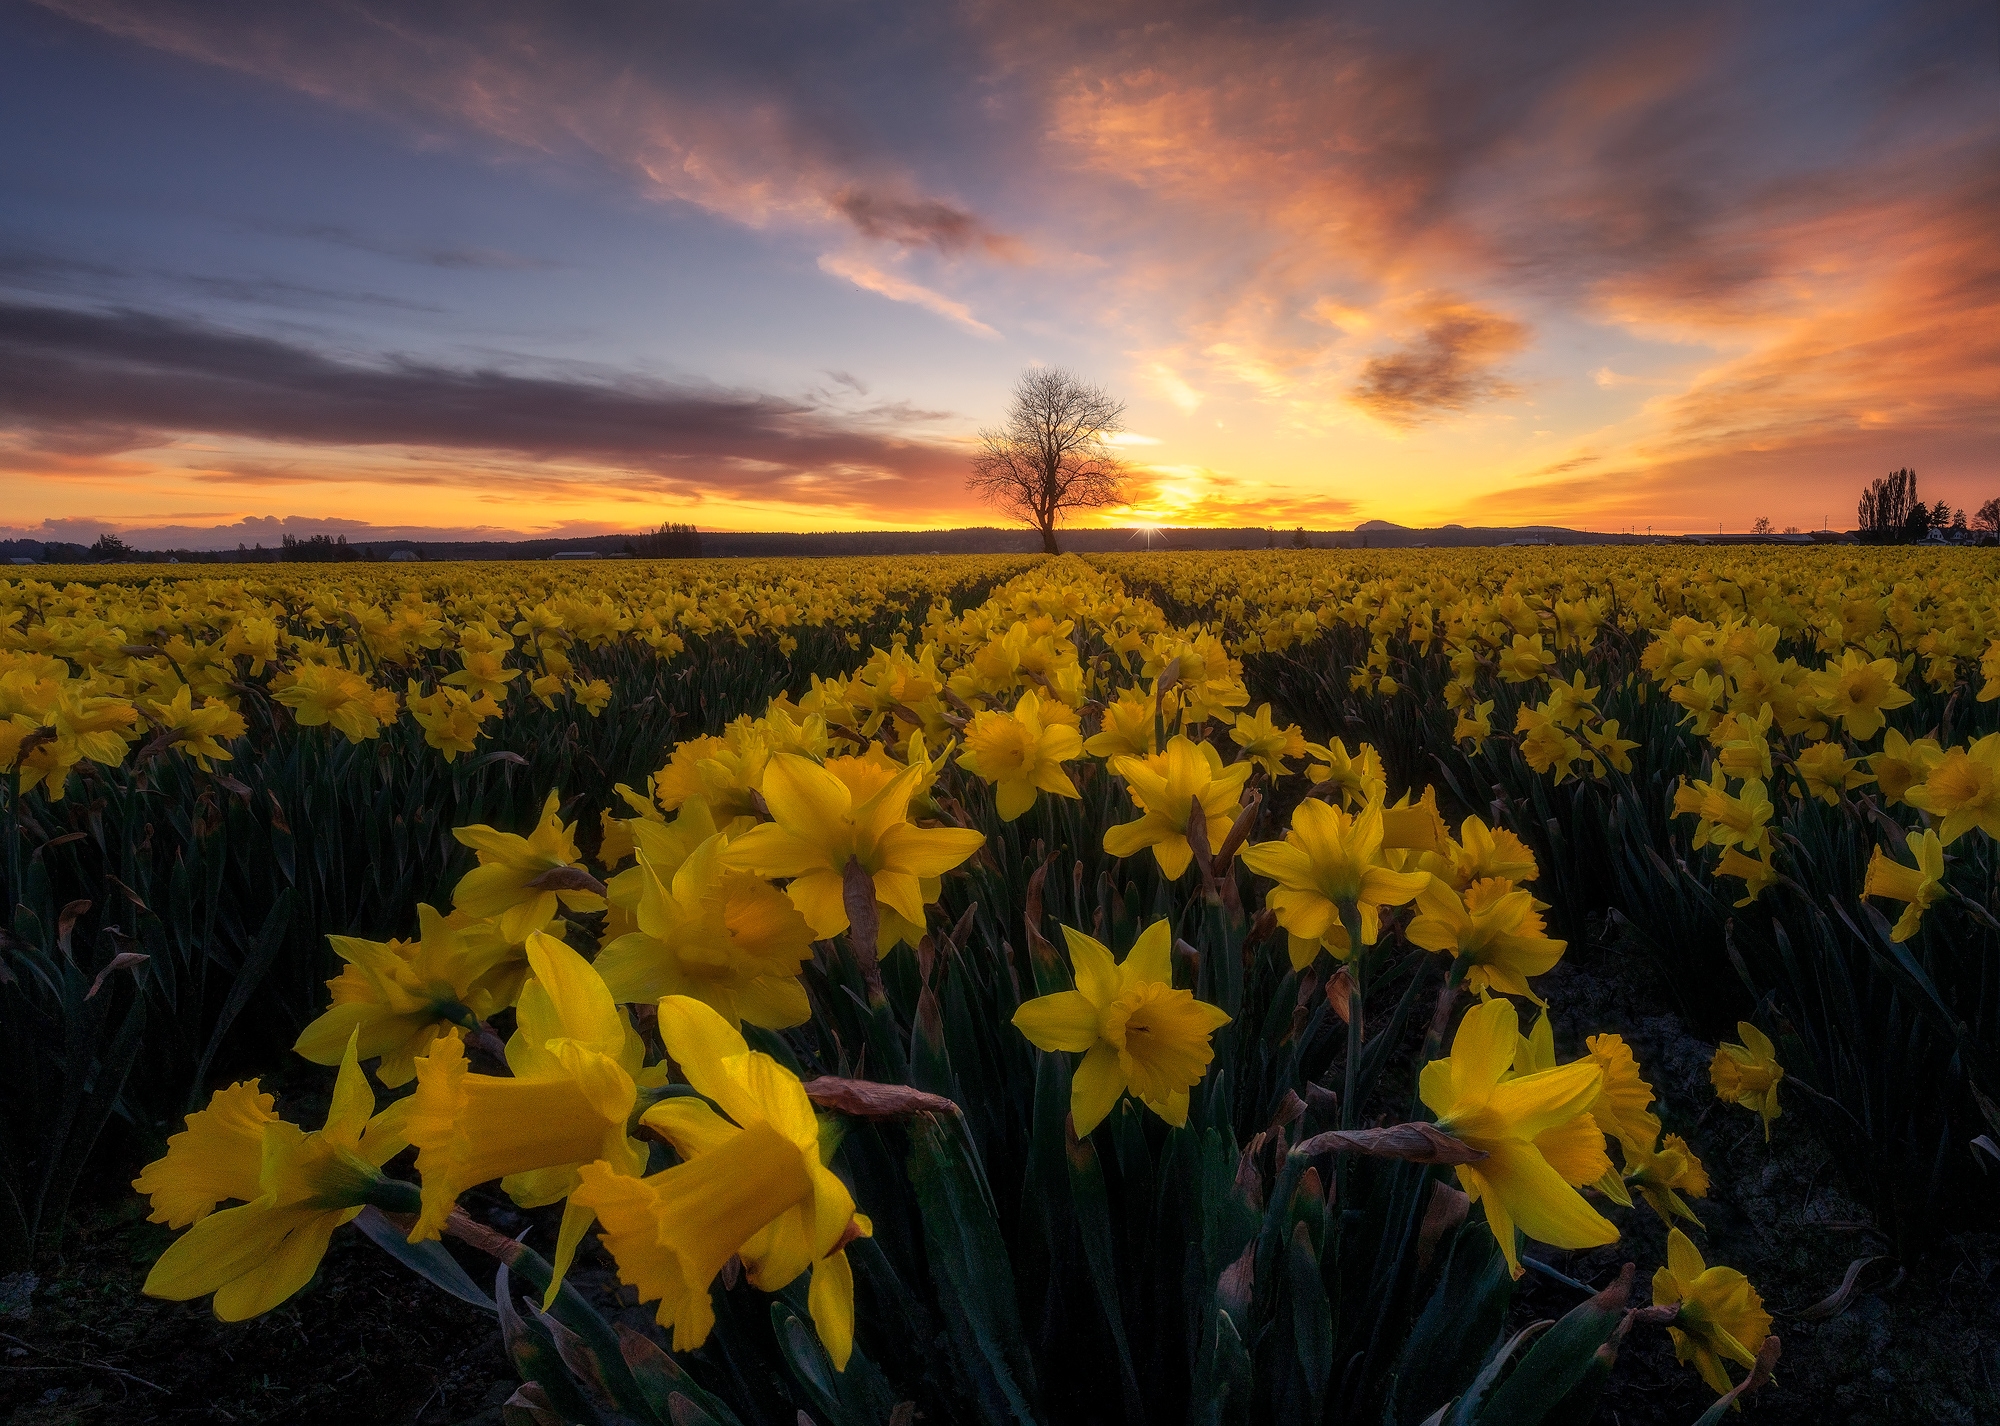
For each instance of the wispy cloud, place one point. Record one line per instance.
(870, 278)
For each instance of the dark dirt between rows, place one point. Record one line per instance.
(368, 1342)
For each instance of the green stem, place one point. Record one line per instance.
(1350, 919)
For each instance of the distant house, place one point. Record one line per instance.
(403, 556)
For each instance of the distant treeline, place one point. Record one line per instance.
(682, 541)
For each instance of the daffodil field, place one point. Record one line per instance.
(1000, 990)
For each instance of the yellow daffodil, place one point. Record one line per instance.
(1481, 852)
(295, 1188)
(1134, 1030)
(1546, 746)
(1127, 729)
(1165, 788)
(1903, 764)
(1475, 726)
(1327, 860)
(1827, 772)
(324, 693)
(398, 997)
(520, 881)
(1414, 825)
(199, 731)
(1858, 691)
(1757, 873)
(1721, 1317)
(1620, 1108)
(1963, 789)
(1020, 754)
(855, 810)
(1748, 1074)
(1605, 744)
(450, 718)
(1494, 925)
(1662, 1175)
(576, 1064)
(1741, 819)
(483, 673)
(724, 937)
(1358, 776)
(1919, 885)
(1265, 743)
(752, 1185)
(1535, 1130)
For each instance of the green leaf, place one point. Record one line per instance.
(1312, 1318)
(1560, 1360)
(429, 1260)
(969, 1264)
(1093, 1224)
(1460, 1321)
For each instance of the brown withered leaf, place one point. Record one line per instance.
(865, 1099)
(1340, 995)
(1835, 1302)
(1413, 1142)
(121, 961)
(567, 878)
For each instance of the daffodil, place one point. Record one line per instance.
(1757, 873)
(1494, 926)
(850, 810)
(1858, 691)
(294, 1189)
(1963, 789)
(1475, 726)
(1357, 777)
(1166, 787)
(576, 1064)
(450, 718)
(753, 1185)
(482, 673)
(1903, 764)
(1330, 859)
(725, 937)
(1535, 1130)
(1265, 743)
(1620, 1108)
(1020, 754)
(1827, 771)
(1748, 1074)
(398, 997)
(1479, 853)
(1741, 819)
(521, 881)
(1663, 1174)
(1721, 1317)
(325, 693)
(1605, 745)
(1134, 1030)
(199, 732)
(1918, 885)
(1127, 728)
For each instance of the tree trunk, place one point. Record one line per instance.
(1049, 545)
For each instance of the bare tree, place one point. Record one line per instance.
(1761, 525)
(1988, 518)
(1052, 455)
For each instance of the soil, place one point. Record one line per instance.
(1918, 1341)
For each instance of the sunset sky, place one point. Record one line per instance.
(505, 267)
